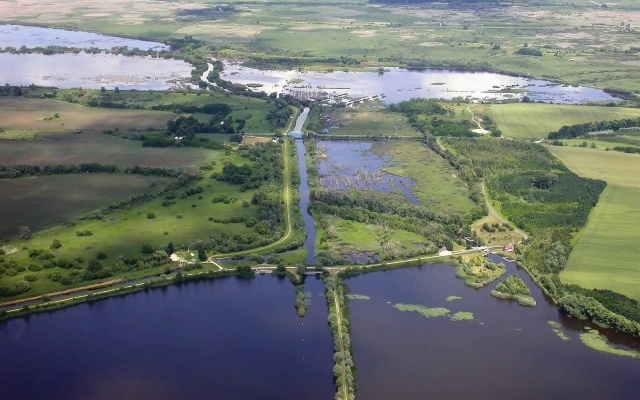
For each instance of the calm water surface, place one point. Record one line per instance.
(32, 36)
(507, 351)
(399, 84)
(92, 71)
(221, 339)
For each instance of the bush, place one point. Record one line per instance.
(101, 255)
(147, 248)
(55, 244)
(151, 215)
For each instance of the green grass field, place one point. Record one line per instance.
(37, 116)
(606, 254)
(43, 201)
(359, 122)
(436, 182)
(74, 149)
(535, 121)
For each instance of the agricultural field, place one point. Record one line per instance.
(212, 210)
(44, 201)
(252, 110)
(37, 116)
(535, 121)
(74, 149)
(606, 252)
(358, 122)
(437, 184)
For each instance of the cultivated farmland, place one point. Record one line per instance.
(43, 201)
(74, 149)
(535, 121)
(606, 253)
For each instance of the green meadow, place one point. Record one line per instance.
(436, 185)
(606, 254)
(535, 121)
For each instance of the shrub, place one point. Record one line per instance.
(151, 215)
(101, 255)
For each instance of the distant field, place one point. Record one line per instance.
(619, 169)
(535, 121)
(250, 109)
(44, 201)
(436, 182)
(38, 115)
(350, 122)
(73, 149)
(606, 253)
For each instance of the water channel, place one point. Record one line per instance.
(303, 188)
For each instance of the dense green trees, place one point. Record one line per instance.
(574, 131)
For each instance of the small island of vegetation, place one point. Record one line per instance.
(514, 288)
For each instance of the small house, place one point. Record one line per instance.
(444, 252)
(509, 247)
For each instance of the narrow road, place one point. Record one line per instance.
(494, 214)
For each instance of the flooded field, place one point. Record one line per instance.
(93, 71)
(354, 165)
(17, 36)
(397, 84)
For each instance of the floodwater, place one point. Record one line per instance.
(221, 339)
(354, 165)
(397, 84)
(93, 71)
(303, 189)
(506, 351)
(82, 70)
(32, 36)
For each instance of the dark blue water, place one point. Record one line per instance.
(303, 189)
(221, 339)
(507, 351)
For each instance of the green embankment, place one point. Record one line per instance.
(535, 121)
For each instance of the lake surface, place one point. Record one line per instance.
(221, 339)
(92, 71)
(397, 84)
(32, 36)
(507, 351)
(354, 165)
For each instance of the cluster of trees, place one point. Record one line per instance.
(20, 170)
(538, 200)
(574, 131)
(438, 229)
(513, 285)
(429, 117)
(586, 307)
(279, 115)
(344, 368)
(529, 51)
(628, 149)
(265, 165)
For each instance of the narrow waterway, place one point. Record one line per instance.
(303, 188)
